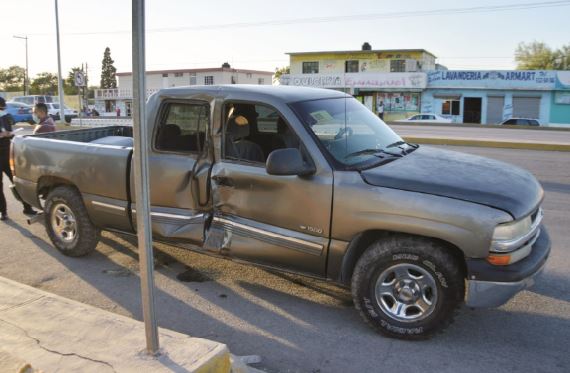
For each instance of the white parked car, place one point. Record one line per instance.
(53, 111)
(425, 118)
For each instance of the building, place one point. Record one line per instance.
(491, 96)
(409, 81)
(395, 77)
(108, 100)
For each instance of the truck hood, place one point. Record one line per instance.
(461, 176)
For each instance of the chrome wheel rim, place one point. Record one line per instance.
(63, 223)
(406, 292)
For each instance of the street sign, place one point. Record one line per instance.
(79, 79)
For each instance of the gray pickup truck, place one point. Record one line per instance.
(307, 181)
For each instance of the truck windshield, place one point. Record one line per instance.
(350, 132)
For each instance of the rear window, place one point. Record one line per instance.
(183, 127)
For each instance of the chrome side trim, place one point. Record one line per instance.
(505, 246)
(165, 215)
(312, 245)
(109, 206)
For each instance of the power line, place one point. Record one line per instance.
(356, 17)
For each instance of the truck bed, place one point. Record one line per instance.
(95, 160)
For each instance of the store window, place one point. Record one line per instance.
(450, 107)
(397, 66)
(310, 67)
(351, 66)
(399, 102)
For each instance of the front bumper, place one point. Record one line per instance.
(491, 286)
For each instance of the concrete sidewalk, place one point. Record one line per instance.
(52, 333)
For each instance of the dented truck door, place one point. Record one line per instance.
(280, 221)
(180, 159)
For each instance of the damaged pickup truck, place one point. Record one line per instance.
(307, 181)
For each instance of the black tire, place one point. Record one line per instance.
(83, 237)
(426, 261)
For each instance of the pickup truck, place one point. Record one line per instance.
(307, 181)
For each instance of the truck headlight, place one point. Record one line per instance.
(513, 230)
(513, 235)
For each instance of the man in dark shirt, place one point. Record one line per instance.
(6, 135)
(44, 122)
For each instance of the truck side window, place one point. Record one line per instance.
(183, 128)
(253, 131)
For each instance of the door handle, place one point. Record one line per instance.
(223, 181)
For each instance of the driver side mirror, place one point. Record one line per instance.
(287, 161)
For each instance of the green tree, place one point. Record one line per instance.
(108, 71)
(539, 56)
(44, 84)
(12, 79)
(279, 72)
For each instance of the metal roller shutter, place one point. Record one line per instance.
(495, 109)
(526, 107)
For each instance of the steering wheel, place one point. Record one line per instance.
(344, 132)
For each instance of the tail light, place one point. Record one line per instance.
(12, 161)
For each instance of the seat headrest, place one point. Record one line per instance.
(238, 127)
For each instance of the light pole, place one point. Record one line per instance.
(59, 76)
(26, 78)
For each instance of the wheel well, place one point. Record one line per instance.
(363, 240)
(47, 183)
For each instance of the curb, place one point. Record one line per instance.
(489, 143)
(42, 328)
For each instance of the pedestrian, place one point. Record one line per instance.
(118, 110)
(44, 123)
(380, 109)
(6, 135)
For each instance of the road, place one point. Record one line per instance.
(491, 133)
(301, 325)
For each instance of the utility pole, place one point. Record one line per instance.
(59, 76)
(141, 179)
(27, 77)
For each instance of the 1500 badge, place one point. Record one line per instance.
(311, 229)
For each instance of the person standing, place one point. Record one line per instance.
(44, 122)
(6, 135)
(380, 109)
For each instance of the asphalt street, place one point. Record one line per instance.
(302, 325)
(491, 133)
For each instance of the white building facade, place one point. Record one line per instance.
(108, 100)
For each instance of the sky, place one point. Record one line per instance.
(187, 34)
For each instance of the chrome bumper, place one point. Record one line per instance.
(488, 294)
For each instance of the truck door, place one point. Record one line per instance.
(179, 164)
(281, 221)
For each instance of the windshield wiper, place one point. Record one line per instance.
(375, 152)
(399, 145)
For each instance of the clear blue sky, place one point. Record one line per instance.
(461, 41)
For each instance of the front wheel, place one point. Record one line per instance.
(408, 287)
(68, 224)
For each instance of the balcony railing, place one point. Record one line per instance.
(119, 93)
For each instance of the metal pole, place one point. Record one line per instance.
(59, 76)
(27, 77)
(140, 134)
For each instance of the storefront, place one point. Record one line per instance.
(492, 96)
(400, 93)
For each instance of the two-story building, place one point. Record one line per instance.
(108, 100)
(393, 77)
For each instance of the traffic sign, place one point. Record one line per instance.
(79, 79)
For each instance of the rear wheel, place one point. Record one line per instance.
(408, 287)
(68, 224)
